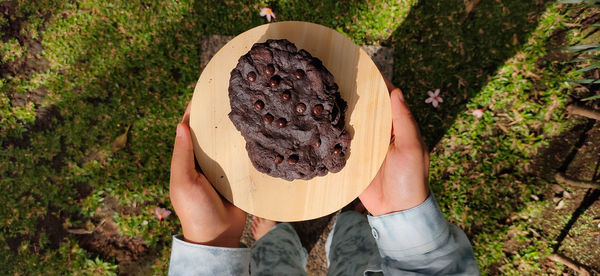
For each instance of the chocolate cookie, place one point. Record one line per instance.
(288, 108)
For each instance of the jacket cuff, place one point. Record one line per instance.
(411, 232)
(196, 259)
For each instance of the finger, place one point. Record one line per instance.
(406, 132)
(182, 162)
(390, 86)
(186, 115)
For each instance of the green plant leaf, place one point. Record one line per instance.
(121, 141)
(583, 48)
(586, 81)
(577, 1)
(588, 68)
(592, 98)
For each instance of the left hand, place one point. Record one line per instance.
(206, 218)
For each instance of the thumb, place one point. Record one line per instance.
(405, 128)
(182, 162)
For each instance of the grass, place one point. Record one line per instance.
(134, 63)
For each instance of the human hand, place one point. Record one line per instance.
(206, 218)
(402, 181)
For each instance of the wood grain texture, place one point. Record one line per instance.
(220, 148)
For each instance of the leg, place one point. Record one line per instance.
(350, 247)
(278, 251)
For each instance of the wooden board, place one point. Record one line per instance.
(220, 148)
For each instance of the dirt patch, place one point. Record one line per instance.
(561, 150)
(50, 225)
(132, 254)
(572, 218)
(23, 68)
(106, 242)
(32, 61)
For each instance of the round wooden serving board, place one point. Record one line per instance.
(220, 148)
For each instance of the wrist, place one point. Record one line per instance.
(211, 239)
(402, 203)
(230, 243)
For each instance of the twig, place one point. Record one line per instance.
(562, 179)
(582, 111)
(572, 265)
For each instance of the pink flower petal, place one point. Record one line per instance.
(430, 94)
(161, 213)
(439, 99)
(429, 100)
(435, 103)
(437, 92)
(268, 13)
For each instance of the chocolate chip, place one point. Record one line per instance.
(293, 159)
(337, 150)
(317, 144)
(269, 70)
(299, 74)
(251, 76)
(268, 119)
(286, 96)
(318, 109)
(259, 105)
(274, 82)
(278, 159)
(300, 108)
(281, 122)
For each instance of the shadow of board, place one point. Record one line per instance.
(442, 45)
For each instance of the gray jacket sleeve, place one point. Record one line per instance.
(420, 241)
(195, 259)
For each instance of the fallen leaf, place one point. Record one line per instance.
(534, 197)
(560, 205)
(470, 5)
(557, 188)
(567, 195)
(79, 231)
(121, 141)
(556, 199)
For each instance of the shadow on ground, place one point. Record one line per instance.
(456, 48)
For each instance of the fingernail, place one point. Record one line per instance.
(180, 130)
(400, 95)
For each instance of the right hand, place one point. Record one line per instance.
(402, 181)
(206, 218)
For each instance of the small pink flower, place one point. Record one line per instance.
(434, 98)
(161, 213)
(478, 113)
(268, 13)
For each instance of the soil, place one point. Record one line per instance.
(106, 242)
(51, 225)
(576, 225)
(22, 68)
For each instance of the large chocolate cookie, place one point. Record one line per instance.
(288, 108)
